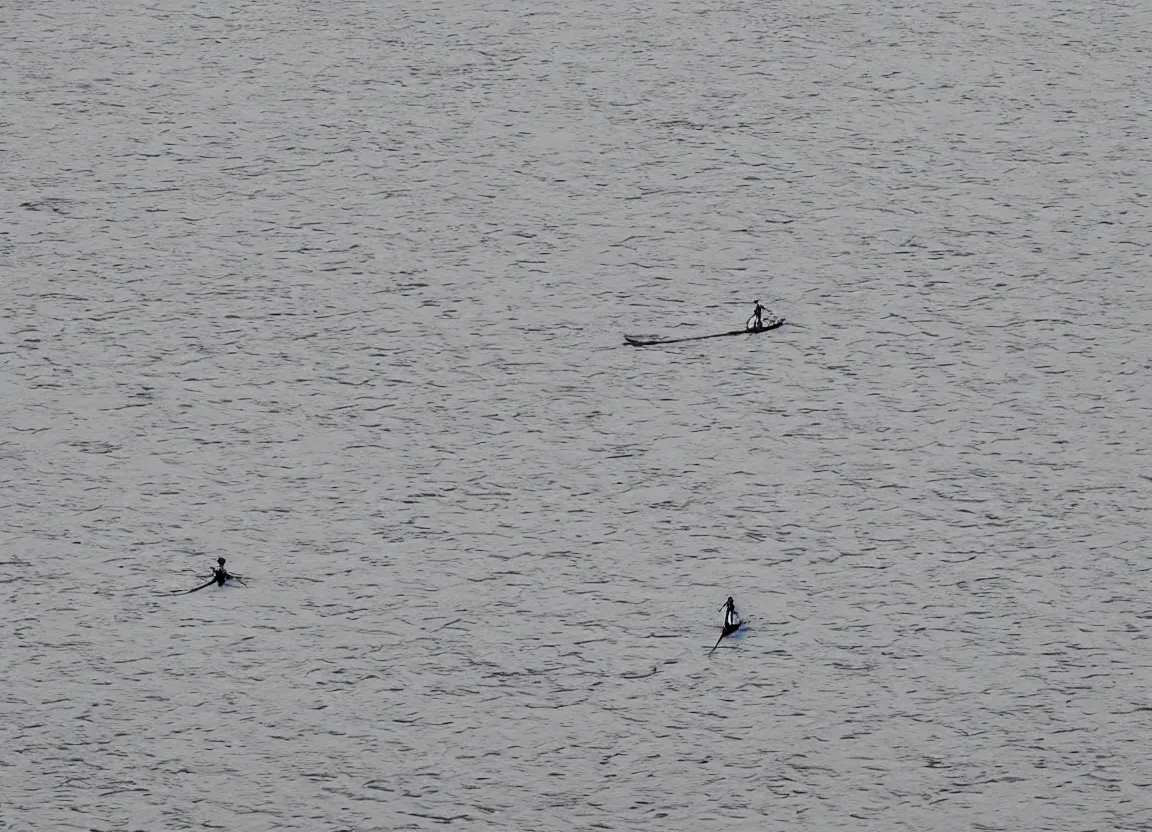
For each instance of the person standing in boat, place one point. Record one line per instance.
(756, 321)
(731, 619)
(732, 623)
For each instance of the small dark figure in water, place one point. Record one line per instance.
(731, 619)
(732, 622)
(757, 319)
(220, 576)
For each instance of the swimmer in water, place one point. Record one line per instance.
(219, 573)
(220, 576)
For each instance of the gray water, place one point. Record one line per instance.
(337, 291)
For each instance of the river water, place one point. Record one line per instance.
(337, 291)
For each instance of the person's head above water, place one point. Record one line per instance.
(220, 561)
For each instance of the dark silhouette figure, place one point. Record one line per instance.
(756, 321)
(731, 619)
(220, 576)
(754, 324)
(732, 622)
(219, 573)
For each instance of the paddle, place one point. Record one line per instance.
(211, 581)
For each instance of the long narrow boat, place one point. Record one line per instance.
(656, 340)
